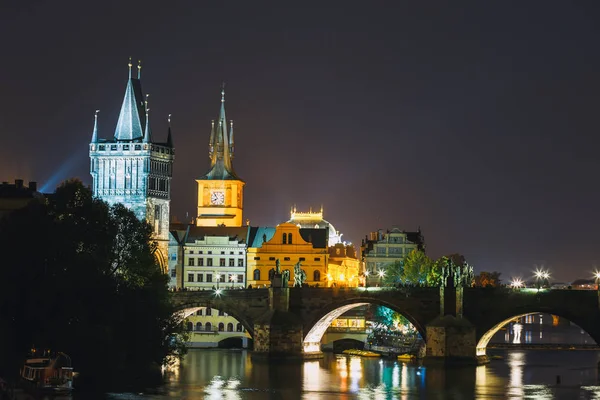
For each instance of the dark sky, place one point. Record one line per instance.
(478, 123)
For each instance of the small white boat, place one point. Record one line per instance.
(52, 373)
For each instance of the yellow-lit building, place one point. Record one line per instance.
(289, 244)
(344, 268)
(220, 190)
(208, 327)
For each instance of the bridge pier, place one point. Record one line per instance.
(278, 333)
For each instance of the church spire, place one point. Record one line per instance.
(131, 118)
(95, 132)
(169, 134)
(231, 139)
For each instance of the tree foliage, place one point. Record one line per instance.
(488, 279)
(79, 276)
(394, 274)
(417, 268)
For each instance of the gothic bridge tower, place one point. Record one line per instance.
(133, 169)
(220, 190)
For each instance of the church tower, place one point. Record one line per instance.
(134, 170)
(220, 191)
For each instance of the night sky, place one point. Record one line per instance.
(477, 123)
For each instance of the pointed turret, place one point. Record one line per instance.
(95, 132)
(231, 139)
(169, 134)
(220, 146)
(147, 133)
(130, 125)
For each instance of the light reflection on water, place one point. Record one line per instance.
(219, 374)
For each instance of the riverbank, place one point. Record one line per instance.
(543, 346)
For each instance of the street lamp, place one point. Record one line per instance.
(366, 278)
(381, 274)
(218, 275)
(597, 276)
(231, 279)
(516, 283)
(540, 273)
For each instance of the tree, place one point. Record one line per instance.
(394, 273)
(80, 277)
(417, 267)
(487, 279)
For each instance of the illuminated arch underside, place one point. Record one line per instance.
(312, 340)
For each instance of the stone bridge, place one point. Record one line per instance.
(455, 323)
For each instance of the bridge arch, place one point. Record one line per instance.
(188, 308)
(589, 325)
(324, 317)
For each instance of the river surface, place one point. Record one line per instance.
(223, 374)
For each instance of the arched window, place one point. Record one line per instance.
(208, 311)
(230, 327)
(190, 326)
(239, 327)
(256, 274)
(221, 327)
(199, 312)
(289, 238)
(208, 327)
(271, 273)
(198, 326)
(284, 238)
(317, 276)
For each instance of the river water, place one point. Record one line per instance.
(225, 374)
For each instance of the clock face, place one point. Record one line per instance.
(217, 198)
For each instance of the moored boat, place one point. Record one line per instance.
(48, 372)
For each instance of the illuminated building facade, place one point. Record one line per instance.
(208, 327)
(132, 168)
(289, 244)
(220, 191)
(315, 220)
(344, 268)
(207, 258)
(380, 249)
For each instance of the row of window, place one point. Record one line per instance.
(239, 278)
(210, 252)
(208, 327)
(209, 312)
(256, 275)
(209, 262)
(288, 258)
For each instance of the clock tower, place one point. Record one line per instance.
(220, 190)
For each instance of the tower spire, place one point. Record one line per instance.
(139, 69)
(130, 125)
(169, 134)
(231, 147)
(95, 132)
(147, 138)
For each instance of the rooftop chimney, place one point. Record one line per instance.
(19, 183)
(33, 186)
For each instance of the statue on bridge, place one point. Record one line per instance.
(277, 266)
(285, 278)
(456, 275)
(299, 275)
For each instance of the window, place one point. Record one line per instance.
(241, 253)
(191, 262)
(317, 258)
(230, 327)
(221, 327)
(209, 262)
(286, 259)
(200, 252)
(200, 278)
(173, 273)
(289, 238)
(208, 313)
(284, 238)
(209, 252)
(222, 277)
(199, 312)
(201, 262)
(157, 224)
(198, 326)
(302, 259)
(232, 262)
(240, 262)
(271, 258)
(190, 277)
(208, 327)
(239, 327)
(256, 258)
(209, 278)
(271, 273)
(190, 326)
(138, 147)
(240, 278)
(317, 276)
(222, 252)
(256, 275)
(191, 251)
(221, 313)
(221, 262)
(231, 252)
(173, 256)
